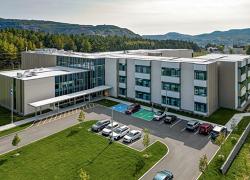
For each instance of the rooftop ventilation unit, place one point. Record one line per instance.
(19, 75)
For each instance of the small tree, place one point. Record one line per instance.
(203, 163)
(220, 139)
(248, 50)
(83, 174)
(16, 140)
(81, 117)
(146, 139)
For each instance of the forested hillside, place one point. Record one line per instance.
(13, 42)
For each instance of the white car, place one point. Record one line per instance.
(119, 132)
(107, 130)
(132, 136)
(159, 115)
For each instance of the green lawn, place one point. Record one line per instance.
(62, 155)
(221, 116)
(15, 129)
(107, 103)
(240, 168)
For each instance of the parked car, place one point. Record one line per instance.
(217, 130)
(205, 128)
(132, 136)
(164, 175)
(107, 130)
(170, 119)
(133, 108)
(100, 125)
(120, 132)
(192, 125)
(159, 115)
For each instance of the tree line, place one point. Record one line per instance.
(14, 41)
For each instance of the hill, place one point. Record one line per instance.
(230, 37)
(65, 28)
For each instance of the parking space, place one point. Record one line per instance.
(144, 114)
(184, 146)
(120, 107)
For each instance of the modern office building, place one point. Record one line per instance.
(52, 79)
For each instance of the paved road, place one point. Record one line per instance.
(185, 148)
(43, 129)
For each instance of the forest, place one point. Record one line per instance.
(14, 41)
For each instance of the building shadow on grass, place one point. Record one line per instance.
(2, 161)
(73, 132)
(90, 161)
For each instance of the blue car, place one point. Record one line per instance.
(164, 175)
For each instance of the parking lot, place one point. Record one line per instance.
(185, 148)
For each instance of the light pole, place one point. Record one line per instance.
(11, 94)
(112, 121)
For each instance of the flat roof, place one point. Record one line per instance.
(225, 57)
(39, 73)
(134, 54)
(68, 96)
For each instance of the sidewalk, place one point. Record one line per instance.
(43, 116)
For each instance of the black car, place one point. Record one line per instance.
(170, 118)
(100, 125)
(133, 108)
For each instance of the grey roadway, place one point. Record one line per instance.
(185, 148)
(43, 129)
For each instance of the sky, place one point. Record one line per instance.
(141, 16)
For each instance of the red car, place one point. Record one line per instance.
(133, 108)
(205, 128)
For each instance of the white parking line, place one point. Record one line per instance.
(44, 122)
(162, 122)
(196, 132)
(175, 123)
(183, 129)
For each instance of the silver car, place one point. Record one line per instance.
(108, 129)
(120, 132)
(132, 136)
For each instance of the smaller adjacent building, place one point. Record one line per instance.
(40, 89)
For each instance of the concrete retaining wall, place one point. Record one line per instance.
(235, 150)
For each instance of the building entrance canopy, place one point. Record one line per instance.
(68, 96)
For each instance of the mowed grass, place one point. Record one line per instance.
(107, 103)
(62, 155)
(240, 168)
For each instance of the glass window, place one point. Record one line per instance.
(142, 69)
(170, 86)
(96, 66)
(122, 79)
(200, 75)
(200, 107)
(171, 101)
(122, 67)
(142, 82)
(200, 91)
(170, 72)
(142, 95)
(122, 91)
